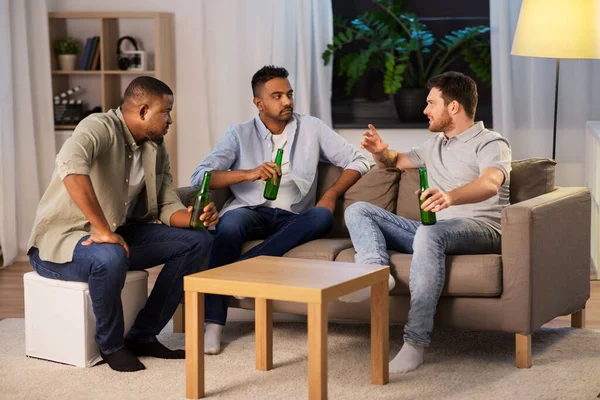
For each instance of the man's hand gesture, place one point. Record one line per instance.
(372, 141)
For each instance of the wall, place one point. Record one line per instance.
(398, 139)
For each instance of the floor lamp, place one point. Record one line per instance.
(558, 29)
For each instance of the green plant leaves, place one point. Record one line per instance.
(401, 46)
(67, 45)
(394, 71)
(479, 58)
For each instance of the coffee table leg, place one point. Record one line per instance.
(380, 333)
(194, 345)
(264, 334)
(317, 351)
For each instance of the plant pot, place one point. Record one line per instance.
(67, 61)
(410, 104)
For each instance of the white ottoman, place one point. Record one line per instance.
(59, 321)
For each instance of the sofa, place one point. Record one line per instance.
(541, 273)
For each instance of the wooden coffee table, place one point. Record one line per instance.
(280, 278)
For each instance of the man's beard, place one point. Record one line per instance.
(443, 125)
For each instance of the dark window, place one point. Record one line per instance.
(367, 103)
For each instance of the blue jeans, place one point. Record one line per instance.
(374, 230)
(281, 231)
(104, 267)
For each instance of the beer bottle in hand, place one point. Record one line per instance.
(271, 188)
(201, 201)
(427, 217)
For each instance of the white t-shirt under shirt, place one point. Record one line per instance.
(288, 191)
(136, 180)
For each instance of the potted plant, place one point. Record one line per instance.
(407, 53)
(67, 50)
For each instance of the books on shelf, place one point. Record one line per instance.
(90, 59)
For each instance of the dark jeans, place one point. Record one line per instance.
(281, 231)
(104, 266)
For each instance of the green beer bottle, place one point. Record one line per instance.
(202, 200)
(427, 217)
(271, 188)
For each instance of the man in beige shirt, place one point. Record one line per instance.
(100, 218)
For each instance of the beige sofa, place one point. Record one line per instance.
(542, 273)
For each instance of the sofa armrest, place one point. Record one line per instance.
(218, 196)
(546, 258)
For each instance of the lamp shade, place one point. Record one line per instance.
(558, 29)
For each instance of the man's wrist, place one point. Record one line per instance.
(101, 231)
(388, 158)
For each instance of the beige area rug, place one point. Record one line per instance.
(459, 365)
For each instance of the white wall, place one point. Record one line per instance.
(399, 139)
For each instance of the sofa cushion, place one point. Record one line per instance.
(466, 275)
(186, 195)
(408, 203)
(320, 249)
(218, 196)
(531, 178)
(378, 187)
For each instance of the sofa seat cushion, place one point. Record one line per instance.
(466, 275)
(320, 249)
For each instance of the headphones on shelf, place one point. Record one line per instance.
(125, 62)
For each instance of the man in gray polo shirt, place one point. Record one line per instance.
(468, 168)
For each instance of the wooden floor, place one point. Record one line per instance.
(11, 297)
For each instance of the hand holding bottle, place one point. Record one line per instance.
(265, 171)
(203, 205)
(209, 216)
(272, 186)
(436, 200)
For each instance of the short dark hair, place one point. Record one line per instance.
(265, 74)
(146, 86)
(459, 87)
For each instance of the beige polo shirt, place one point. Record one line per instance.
(102, 147)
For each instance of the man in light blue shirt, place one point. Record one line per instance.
(242, 161)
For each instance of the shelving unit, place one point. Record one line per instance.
(155, 34)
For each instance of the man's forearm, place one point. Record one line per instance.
(221, 179)
(82, 193)
(386, 159)
(475, 191)
(180, 219)
(348, 178)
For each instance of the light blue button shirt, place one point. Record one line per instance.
(248, 145)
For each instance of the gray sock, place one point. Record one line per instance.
(212, 338)
(408, 359)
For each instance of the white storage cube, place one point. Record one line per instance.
(59, 321)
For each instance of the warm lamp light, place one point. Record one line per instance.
(558, 29)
